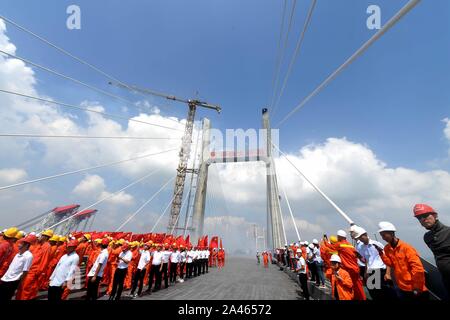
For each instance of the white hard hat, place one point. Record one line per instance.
(342, 233)
(358, 231)
(311, 246)
(315, 241)
(306, 243)
(298, 250)
(386, 226)
(335, 258)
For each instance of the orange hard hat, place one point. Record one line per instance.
(420, 209)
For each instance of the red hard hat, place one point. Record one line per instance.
(72, 243)
(420, 209)
(31, 238)
(105, 241)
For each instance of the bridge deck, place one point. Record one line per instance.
(241, 279)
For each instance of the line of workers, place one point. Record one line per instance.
(47, 262)
(388, 272)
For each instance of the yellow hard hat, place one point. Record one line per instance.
(11, 232)
(121, 241)
(19, 235)
(98, 240)
(62, 239)
(87, 236)
(134, 244)
(333, 239)
(48, 233)
(54, 238)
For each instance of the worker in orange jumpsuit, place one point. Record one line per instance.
(341, 281)
(135, 255)
(112, 261)
(405, 262)
(44, 281)
(29, 287)
(349, 257)
(326, 254)
(7, 245)
(83, 246)
(15, 249)
(265, 259)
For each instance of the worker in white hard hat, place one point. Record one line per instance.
(318, 263)
(405, 261)
(349, 257)
(358, 244)
(341, 282)
(375, 278)
(301, 271)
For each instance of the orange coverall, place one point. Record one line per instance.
(349, 258)
(408, 269)
(29, 288)
(344, 286)
(7, 261)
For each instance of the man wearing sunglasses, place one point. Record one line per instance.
(437, 239)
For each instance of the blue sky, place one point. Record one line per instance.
(392, 99)
(226, 50)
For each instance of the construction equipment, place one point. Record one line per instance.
(185, 146)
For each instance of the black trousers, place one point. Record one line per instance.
(313, 270)
(8, 289)
(154, 273)
(165, 275)
(303, 279)
(55, 293)
(207, 264)
(92, 288)
(138, 279)
(117, 288)
(182, 264)
(189, 269)
(173, 272)
(197, 266)
(409, 296)
(204, 264)
(383, 292)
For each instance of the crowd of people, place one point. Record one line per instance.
(30, 263)
(387, 272)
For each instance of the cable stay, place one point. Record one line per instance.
(334, 205)
(295, 55)
(25, 135)
(144, 205)
(86, 109)
(290, 212)
(400, 14)
(164, 211)
(81, 170)
(32, 221)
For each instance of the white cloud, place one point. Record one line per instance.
(12, 175)
(91, 185)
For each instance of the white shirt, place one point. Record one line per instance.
(157, 258)
(20, 264)
(166, 256)
(358, 248)
(183, 256)
(190, 256)
(202, 254)
(127, 255)
(175, 257)
(370, 253)
(65, 269)
(317, 257)
(101, 259)
(301, 262)
(144, 259)
(208, 253)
